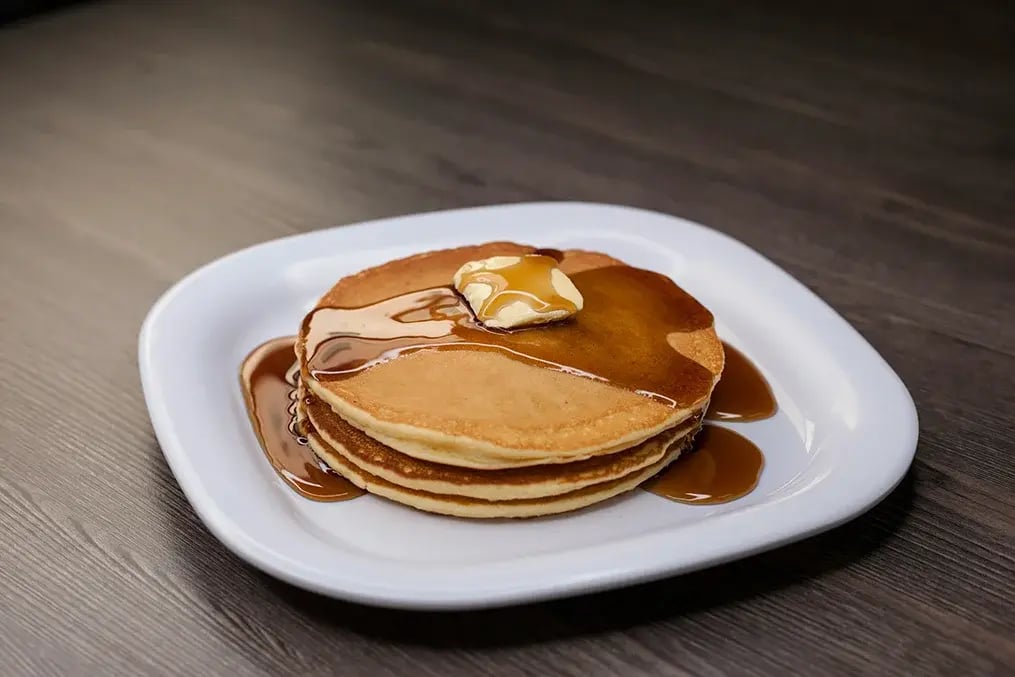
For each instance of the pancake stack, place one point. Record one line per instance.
(483, 434)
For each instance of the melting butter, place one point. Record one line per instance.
(508, 292)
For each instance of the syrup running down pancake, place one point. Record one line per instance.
(401, 391)
(640, 358)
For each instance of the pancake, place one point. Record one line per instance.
(464, 506)
(381, 461)
(497, 412)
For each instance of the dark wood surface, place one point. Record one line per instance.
(869, 150)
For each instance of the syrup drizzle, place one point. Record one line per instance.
(722, 467)
(742, 393)
(622, 335)
(269, 380)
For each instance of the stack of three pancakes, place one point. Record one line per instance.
(478, 433)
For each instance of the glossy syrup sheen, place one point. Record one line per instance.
(723, 466)
(529, 281)
(620, 336)
(269, 378)
(742, 393)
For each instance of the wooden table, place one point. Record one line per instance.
(870, 153)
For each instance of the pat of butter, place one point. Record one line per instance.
(509, 292)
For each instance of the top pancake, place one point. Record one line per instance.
(482, 409)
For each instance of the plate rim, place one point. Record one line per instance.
(443, 594)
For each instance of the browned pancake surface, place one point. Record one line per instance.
(463, 506)
(510, 483)
(482, 409)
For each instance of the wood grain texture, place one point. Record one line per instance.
(868, 149)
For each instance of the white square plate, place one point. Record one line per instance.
(844, 436)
